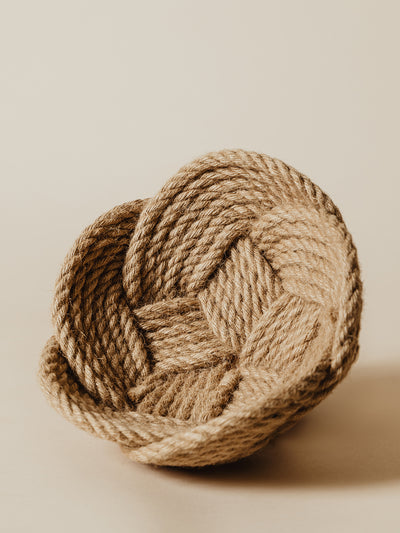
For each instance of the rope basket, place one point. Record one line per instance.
(193, 327)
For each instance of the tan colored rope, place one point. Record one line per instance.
(193, 327)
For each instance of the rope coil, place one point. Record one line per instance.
(193, 327)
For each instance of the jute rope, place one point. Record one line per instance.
(193, 327)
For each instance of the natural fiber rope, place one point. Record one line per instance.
(194, 326)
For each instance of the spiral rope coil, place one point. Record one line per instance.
(193, 327)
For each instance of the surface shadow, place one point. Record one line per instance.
(351, 438)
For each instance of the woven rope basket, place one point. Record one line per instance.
(193, 327)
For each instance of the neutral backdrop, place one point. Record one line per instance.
(100, 103)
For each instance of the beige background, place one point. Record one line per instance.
(100, 102)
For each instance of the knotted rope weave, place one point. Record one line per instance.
(193, 327)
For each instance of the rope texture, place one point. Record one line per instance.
(193, 327)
